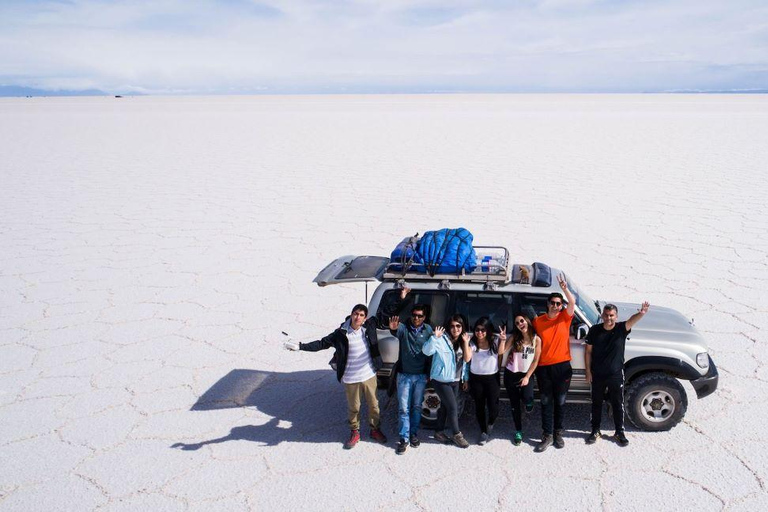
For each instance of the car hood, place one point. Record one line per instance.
(661, 324)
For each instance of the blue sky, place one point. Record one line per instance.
(288, 46)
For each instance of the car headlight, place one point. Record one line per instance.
(702, 359)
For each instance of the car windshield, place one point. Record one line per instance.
(584, 303)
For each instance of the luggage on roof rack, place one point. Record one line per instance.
(491, 264)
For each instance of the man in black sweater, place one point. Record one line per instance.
(604, 361)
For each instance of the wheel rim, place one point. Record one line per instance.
(430, 405)
(658, 406)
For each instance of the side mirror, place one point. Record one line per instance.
(581, 332)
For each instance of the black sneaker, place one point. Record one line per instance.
(401, 447)
(621, 438)
(592, 437)
(546, 442)
(558, 439)
(415, 441)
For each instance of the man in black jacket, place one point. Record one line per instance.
(357, 359)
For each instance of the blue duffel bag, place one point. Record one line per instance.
(446, 251)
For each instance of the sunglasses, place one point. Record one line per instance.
(521, 322)
(479, 329)
(455, 326)
(416, 315)
(555, 303)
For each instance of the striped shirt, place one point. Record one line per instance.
(359, 365)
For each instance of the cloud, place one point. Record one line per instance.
(325, 45)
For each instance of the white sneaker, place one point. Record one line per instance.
(483, 439)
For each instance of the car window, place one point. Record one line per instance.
(533, 305)
(436, 302)
(499, 307)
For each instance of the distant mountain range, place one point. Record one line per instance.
(17, 91)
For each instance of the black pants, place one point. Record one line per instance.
(485, 393)
(615, 385)
(518, 395)
(448, 393)
(554, 381)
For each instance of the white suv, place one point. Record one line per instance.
(662, 350)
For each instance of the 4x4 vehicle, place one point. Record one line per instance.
(663, 349)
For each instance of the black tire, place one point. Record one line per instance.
(655, 402)
(432, 408)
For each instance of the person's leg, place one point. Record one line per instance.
(526, 393)
(492, 392)
(403, 404)
(561, 383)
(374, 415)
(353, 392)
(417, 400)
(511, 383)
(478, 395)
(598, 395)
(547, 400)
(448, 400)
(616, 390)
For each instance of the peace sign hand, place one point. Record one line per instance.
(562, 282)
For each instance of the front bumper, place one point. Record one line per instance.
(707, 384)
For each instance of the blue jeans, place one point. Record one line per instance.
(410, 395)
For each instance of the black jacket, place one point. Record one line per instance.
(338, 339)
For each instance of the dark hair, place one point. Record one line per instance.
(517, 334)
(460, 320)
(555, 295)
(611, 307)
(490, 330)
(360, 307)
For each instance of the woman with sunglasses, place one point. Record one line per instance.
(449, 348)
(521, 363)
(484, 376)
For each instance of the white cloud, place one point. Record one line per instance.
(205, 45)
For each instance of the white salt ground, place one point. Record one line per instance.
(152, 249)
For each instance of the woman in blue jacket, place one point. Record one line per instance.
(449, 348)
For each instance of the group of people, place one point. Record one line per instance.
(452, 359)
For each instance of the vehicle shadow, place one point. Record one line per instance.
(305, 406)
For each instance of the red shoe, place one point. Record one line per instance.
(378, 436)
(354, 437)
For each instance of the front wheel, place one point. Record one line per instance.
(655, 402)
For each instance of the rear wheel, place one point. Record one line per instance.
(432, 408)
(655, 402)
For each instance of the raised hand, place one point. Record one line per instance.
(503, 333)
(644, 307)
(404, 291)
(291, 345)
(394, 322)
(439, 331)
(562, 282)
(465, 337)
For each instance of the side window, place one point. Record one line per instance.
(497, 306)
(532, 305)
(436, 302)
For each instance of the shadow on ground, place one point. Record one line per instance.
(305, 406)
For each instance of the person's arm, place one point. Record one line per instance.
(465, 347)
(588, 362)
(430, 346)
(637, 316)
(321, 344)
(394, 326)
(571, 308)
(388, 311)
(502, 339)
(536, 355)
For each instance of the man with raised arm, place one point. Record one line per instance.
(604, 362)
(412, 375)
(553, 374)
(357, 358)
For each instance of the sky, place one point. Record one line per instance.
(359, 46)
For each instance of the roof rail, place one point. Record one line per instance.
(492, 266)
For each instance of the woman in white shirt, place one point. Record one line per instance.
(522, 361)
(484, 376)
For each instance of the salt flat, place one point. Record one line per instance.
(153, 249)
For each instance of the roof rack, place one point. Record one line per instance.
(492, 266)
